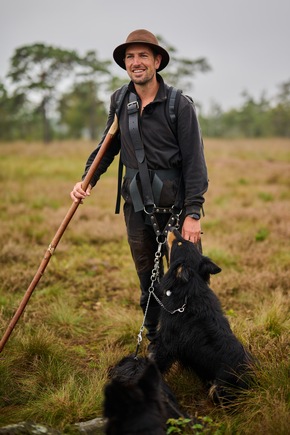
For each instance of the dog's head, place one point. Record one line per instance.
(144, 386)
(135, 405)
(185, 258)
(128, 369)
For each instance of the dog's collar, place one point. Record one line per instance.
(178, 310)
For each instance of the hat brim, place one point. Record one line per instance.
(119, 53)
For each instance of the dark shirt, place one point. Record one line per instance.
(162, 149)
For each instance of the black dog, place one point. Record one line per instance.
(193, 329)
(137, 400)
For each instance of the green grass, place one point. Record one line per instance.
(84, 314)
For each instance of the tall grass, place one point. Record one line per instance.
(84, 314)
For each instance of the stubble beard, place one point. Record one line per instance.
(143, 81)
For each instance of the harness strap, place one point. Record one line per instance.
(173, 221)
(119, 104)
(133, 112)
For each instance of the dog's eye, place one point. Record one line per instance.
(179, 243)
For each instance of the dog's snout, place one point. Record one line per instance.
(171, 237)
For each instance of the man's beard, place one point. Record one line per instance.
(143, 80)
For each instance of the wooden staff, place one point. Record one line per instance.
(52, 246)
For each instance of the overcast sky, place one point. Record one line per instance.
(245, 41)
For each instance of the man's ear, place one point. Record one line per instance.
(158, 59)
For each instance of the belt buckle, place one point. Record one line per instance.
(133, 107)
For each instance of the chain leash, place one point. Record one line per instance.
(155, 274)
(154, 277)
(178, 310)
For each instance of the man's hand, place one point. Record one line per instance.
(78, 193)
(191, 229)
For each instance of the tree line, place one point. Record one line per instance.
(260, 117)
(54, 93)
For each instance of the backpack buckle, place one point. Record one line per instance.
(133, 107)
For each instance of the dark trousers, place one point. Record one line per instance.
(143, 245)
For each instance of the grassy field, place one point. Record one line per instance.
(84, 314)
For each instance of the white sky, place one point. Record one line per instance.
(245, 41)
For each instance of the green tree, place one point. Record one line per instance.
(80, 109)
(280, 114)
(12, 113)
(253, 116)
(211, 125)
(283, 96)
(37, 70)
(250, 120)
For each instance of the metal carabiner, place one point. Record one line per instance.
(160, 242)
(150, 213)
(181, 309)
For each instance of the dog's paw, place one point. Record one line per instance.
(214, 394)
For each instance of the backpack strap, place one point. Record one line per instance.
(120, 99)
(171, 103)
(171, 108)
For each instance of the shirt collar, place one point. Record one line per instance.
(161, 94)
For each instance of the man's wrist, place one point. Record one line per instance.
(195, 216)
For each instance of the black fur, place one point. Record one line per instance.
(200, 337)
(137, 400)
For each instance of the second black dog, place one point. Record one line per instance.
(137, 399)
(193, 329)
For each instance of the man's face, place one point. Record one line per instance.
(141, 63)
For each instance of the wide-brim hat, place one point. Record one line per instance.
(141, 36)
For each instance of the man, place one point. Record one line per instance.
(174, 159)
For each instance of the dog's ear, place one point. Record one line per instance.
(207, 267)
